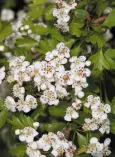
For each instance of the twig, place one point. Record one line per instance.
(100, 20)
(36, 56)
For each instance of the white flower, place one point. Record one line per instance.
(58, 150)
(49, 97)
(33, 153)
(47, 69)
(105, 127)
(2, 48)
(97, 149)
(33, 145)
(61, 91)
(18, 91)
(63, 51)
(27, 134)
(10, 104)
(7, 15)
(71, 113)
(22, 106)
(36, 125)
(61, 14)
(63, 26)
(77, 104)
(26, 105)
(44, 143)
(31, 101)
(107, 108)
(64, 78)
(2, 74)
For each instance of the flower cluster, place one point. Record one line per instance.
(25, 30)
(27, 134)
(26, 105)
(59, 144)
(99, 113)
(62, 13)
(49, 76)
(2, 74)
(7, 15)
(97, 149)
(71, 112)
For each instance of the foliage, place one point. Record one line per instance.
(88, 25)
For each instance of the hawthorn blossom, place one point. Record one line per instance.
(62, 13)
(7, 15)
(44, 143)
(99, 112)
(27, 134)
(49, 96)
(26, 105)
(18, 91)
(95, 148)
(2, 74)
(10, 104)
(47, 69)
(71, 114)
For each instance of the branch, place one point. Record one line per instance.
(100, 20)
(36, 56)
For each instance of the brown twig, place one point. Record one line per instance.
(100, 20)
(36, 56)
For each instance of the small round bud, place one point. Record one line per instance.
(26, 27)
(81, 94)
(29, 31)
(22, 28)
(17, 132)
(36, 124)
(1, 48)
(88, 63)
(43, 86)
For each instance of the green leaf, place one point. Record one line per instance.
(26, 42)
(110, 21)
(59, 110)
(99, 61)
(110, 53)
(48, 12)
(44, 46)
(39, 1)
(110, 57)
(26, 120)
(40, 29)
(38, 112)
(113, 127)
(16, 122)
(81, 118)
(70, 43)
(101, 6)
(98, 28)
(82, 140)
(113, 106)
(96, 39)
(75, 51)
(83, 155)
(3, 117)
(18, 150)
(54, 126)
(81, 14)
(5, 30)
(36, 12)
(75, 28)
(55, 33)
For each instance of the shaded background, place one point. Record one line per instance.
(7, 139)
